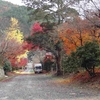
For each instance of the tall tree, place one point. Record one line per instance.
(50, 13)
(13, 35)
(13, 32)
(51, 10)
(74, 34)
(47, 41)
(9, 49)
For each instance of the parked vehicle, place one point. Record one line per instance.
(38, 68)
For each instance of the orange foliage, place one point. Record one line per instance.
(12, 49)
(73, 39)
(73, 36)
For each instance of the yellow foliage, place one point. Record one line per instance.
(13, 31)
(72, 39)
(22, 55)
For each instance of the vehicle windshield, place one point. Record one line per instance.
(38, 67)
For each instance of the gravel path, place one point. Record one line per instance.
(42, 87)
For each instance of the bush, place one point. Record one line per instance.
(7, 67)
(70, 63)
(89, 56)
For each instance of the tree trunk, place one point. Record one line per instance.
(58, 62)
(91, 71)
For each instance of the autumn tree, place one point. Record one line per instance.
(50, 14)
(4, 53)
(13, 32)
(12, 43)
(44, 40)
(49, 62)
(22, 62)
(74, 34)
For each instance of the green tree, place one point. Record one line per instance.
(51, 10)
(8, 10)
(89, 56)
(19, 13)
(7, 67)
(70, 63)
(5, 6)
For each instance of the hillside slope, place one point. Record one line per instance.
(8, 10)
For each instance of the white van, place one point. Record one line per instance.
(38, 68)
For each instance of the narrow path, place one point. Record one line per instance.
(42, 87)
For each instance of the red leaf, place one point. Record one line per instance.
(37, 28)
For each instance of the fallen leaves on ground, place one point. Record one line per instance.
(81, 79)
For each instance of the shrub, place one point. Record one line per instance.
(89, 56)
(70, 63)
(7, 67)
